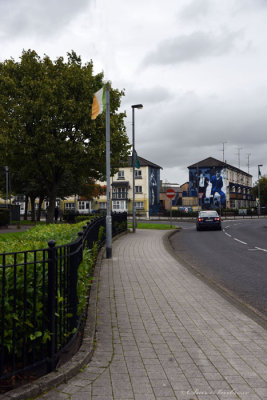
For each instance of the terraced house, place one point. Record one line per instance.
(216, 183)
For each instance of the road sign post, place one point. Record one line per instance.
(170, 193)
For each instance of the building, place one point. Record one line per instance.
(218, 184)
(165, 202)
(147, 193)
(147, 189)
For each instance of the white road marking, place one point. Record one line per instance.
(258, 248)
(228, 234)
(240, 241)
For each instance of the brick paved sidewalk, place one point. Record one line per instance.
(163, 334)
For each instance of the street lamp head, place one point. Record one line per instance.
(137, 106)
(260, 165)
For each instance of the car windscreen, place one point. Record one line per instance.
(208, 214)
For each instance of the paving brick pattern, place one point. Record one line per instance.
(163, 334)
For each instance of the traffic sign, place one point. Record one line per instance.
(170, 193)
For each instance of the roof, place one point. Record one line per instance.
(120, 183)
(143, 162)
(211, 162)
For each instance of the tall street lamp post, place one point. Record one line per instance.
(259, 201)
(138, 106)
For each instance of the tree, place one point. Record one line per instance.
(263, 190)
(46, 126)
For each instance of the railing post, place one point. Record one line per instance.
(75, 260)
(51, 304)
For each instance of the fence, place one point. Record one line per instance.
(39, 299)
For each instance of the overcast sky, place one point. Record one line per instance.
(199, 67)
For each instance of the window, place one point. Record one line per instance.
(102, 205)
(69, 206)
(22, 206)
(46, 204)
(83, 205)
(138, 174)
(138, 189)
(116, 205)
(139, 205)
(119, 205)
(119, 193)
(121, 175)
(20, 198)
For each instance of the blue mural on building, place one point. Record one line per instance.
(209, 184)
(154, 190)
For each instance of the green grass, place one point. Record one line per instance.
(6, 237)
(145, 225)
(28, 222)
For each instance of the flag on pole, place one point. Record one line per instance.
(136, 160)
(99, 103)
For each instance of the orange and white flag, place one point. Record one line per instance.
(99, 102)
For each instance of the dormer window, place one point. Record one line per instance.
(121, 175)
(138, 174)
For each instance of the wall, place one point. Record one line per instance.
(211, 184)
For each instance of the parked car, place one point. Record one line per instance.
(208, 220)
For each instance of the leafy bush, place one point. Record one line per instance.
(37, 274)
(81, 218)
(4, 216)
(69, 216)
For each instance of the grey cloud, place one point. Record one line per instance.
(245, 4)
(27, 17)
(149, 96)
(187, 48)
(195, 9)
(193, 128)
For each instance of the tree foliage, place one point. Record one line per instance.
(47, 137)
(263, 190)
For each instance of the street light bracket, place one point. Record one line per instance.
(137, 106)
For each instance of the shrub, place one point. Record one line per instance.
(4, 216)
(37, 238)
(81, 218)
(70, 216)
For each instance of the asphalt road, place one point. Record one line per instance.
(234, 259)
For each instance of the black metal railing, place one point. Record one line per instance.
(39, 299)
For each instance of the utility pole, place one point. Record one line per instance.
(259, 193)
(238, 154)
(248, 154)
(223, 143)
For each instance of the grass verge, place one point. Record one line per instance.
(146, 225)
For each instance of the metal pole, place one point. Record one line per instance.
(259, 201)
(133, 165)
(171, 214)
(6, 168)
(197, 188)
(108, 217)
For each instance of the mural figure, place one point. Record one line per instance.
(153, 188)
(202, 184)
(217, 185)
(211, 183)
